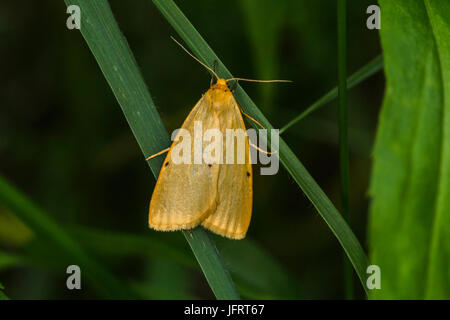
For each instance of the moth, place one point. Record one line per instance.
(217, 196)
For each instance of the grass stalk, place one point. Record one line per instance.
(356, 78)
(343, 132)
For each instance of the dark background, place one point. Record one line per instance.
(66, 144)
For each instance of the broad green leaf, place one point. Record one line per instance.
(409, 228)
(438, 277)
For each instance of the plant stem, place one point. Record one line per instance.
(359, 76)
(343, 132)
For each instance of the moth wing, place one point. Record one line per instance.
(232, 215)
(185, 193)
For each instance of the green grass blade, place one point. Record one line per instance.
(58, 240)
(343, 131)
(359, 76)
(208, 257)
(292, 164)
(102, 34)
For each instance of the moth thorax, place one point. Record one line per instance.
(220, 98)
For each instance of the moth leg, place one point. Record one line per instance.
(251, 118)
(261, 150)
(157, 154)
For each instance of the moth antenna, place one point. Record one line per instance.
(195, 58)
(253, 80)
(157, 154)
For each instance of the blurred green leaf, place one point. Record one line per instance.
(165, 280)
(2, 294)
(263, 34)
(120, 244)
(59, 242)
(359, 76)
(409, 228)
(8, 260)
(13, 232)
(257, 273)
(360, 141)
(292, 164)
(113, 55)
(438, 278)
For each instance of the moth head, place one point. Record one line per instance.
(221, 84)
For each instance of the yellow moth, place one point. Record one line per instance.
(217, 196)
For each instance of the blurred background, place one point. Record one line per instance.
(65, 143)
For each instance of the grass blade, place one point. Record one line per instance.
(343, 131)
(106, 42)
(321, 202)
(208, 256)
(359, 76)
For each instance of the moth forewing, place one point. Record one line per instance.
(235, 191)
(184, 193)
(209, 191)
